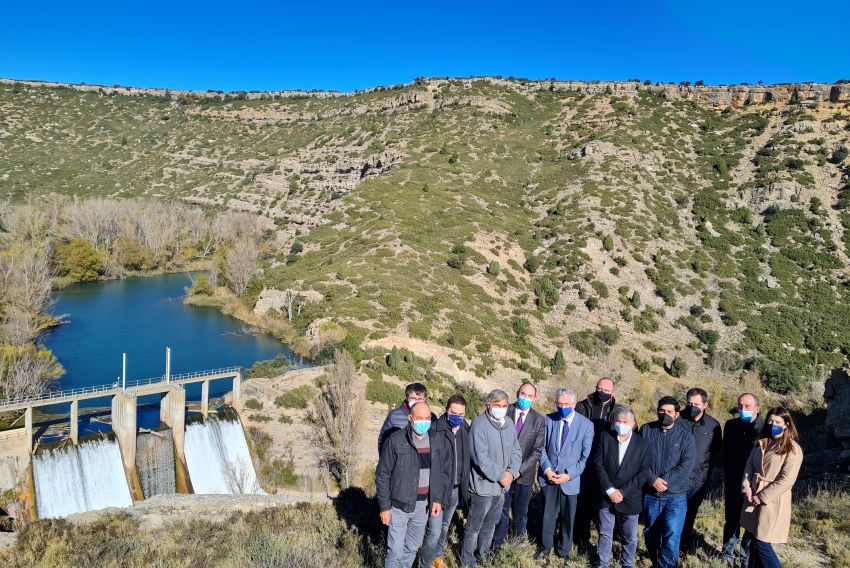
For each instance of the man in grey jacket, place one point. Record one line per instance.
(496, 458)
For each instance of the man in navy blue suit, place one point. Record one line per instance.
(569, 440)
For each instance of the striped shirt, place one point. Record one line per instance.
(423, 448)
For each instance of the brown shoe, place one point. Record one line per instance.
(439, 563)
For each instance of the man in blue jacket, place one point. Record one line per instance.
(568, 444)
(397, 418)
(665, 503)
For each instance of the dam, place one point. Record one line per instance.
(202, 453)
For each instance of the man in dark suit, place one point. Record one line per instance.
(621, 466)
(531, 432)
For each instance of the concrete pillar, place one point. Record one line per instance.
(75, 421)
(237, 393)
(172, 411)
(28, 428)
(124, 425)
(205, 398)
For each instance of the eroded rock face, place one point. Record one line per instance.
(837, 396)
(272, 299)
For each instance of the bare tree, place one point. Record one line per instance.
(25, 222)
(336, 415)
(27, 279)
(240, 225)
(242, 264)
(19, 326)
(27, 372)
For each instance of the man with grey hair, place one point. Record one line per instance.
(621, 464)
(496, 458)
(569, 440)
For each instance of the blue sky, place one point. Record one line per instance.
(351, 45)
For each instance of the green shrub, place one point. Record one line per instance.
(493, 269)
(608, 243)
(635, 300)
(677, 368)
(78, 261)
(201, 286)
(588, 343)
(299, 397)
(547, 293)
(383, 392)
(269, 368)
(609, 335)
(532, 264)
(253, 404)
(557, 363)
(521, 327)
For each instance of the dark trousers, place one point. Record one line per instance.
(516, 499)
(558, 507)
(585, 514)
(484, 513)
(762, 554)
(695, 495)
(734, 501)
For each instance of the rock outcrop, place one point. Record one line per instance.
(272, 299)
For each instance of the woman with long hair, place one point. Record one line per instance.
(770, 473)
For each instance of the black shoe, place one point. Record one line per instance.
(542, 554)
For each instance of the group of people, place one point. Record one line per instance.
(593, 465)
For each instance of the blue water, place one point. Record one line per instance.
(141, 317)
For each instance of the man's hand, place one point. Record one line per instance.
(507, 479)
(616, 496)
(756, 501)
(660, 485)
(436, 509)
(550, 475)
(386, 516)
(562, 478)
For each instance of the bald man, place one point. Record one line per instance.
(413, 482)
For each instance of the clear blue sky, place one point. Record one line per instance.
(351, 45)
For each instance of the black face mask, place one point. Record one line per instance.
(666, 419)
(693, 412)
(602, 397)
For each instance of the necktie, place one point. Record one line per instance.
(565, 430)
(519, 424)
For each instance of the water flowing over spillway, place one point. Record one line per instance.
(218, 459)
(80, 478)
(155, 463)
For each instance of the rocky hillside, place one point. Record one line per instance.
(502, 228)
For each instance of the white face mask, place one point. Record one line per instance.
(622, 429)
(498, 413)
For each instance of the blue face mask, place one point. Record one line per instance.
(776, 430)
(455, 420)
(523, 403)
(421, 426)
(565, 411)
(746, 415)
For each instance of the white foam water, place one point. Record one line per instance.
(218, 459)
(75, 479)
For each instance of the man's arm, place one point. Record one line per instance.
(383, 473)
(545, 464)
(598, 461)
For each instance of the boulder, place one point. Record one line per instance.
(272, 299)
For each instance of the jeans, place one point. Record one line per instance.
(695, 497)
(484, 513)
(734, 501)
(405, 536)
(438, 532)
(763, 554)
(517, 499)
(665, 516)
(608, 520)
(558, 506)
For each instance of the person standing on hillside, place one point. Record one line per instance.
(739, 435)
(707, 442)
(412, 481)
(397, 418)
(531, 433)
(621, 465)
(496, 459)
(665, 502)
(455, 431)
(569, 443)
(598, 407)
(769, 475)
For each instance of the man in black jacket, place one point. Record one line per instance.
(665, 502)
(707, 439)
(739, 436)
(412, 480)
(531, 433)
(621, 466)
(598, 407)
(454, 430)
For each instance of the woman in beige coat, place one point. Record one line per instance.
(770, 473)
